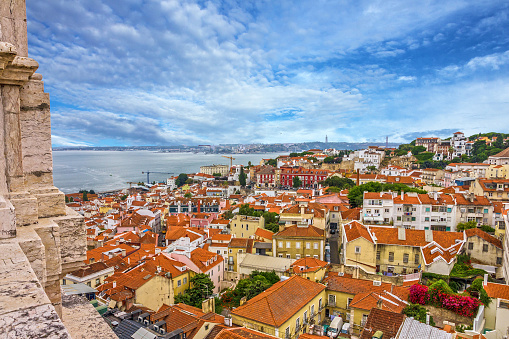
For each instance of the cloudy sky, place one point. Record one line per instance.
(163, 72)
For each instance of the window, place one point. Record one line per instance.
(405, 258)
(280, 244)
(308, 245)
(297, 324)
(288, 245)
(348, 301)
(97, 281)
(427, 209)
(305, 318)
(280, 255)
(185, 280)
(287, 332)
(64, 282)
(413, 218)
(386, 210)
(297, 245)
(332, 300)
(364, 319)
(357, 249)
(391, 256)
(377, 255)
(297, 256)
(315, 245)
(240, 251)
(320, 304)
(398, 218)
(499, 260)
(179, 283)
(485, 248)
(288, 256)
(417, 258)
(312, 310)
(470, 245)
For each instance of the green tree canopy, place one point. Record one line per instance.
(271, 162)
(201, 288)
(297, 182)
(242, 177)
(181, 180)
(341, 183)
(466, 225)
(355, 194)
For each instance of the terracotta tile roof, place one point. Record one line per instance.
(353, 286)
(221, 237)
(355, 230)
(503, 154)
(307, 264)
(280, 302)
(416, 238)
(295, 231)
(351, 214)
(381, 320)
(483, 235)
(90, 269)
(377, 195)
(384, 300)
(433, 252)
(242, 333)
(497, 290)
(200, 257)
(263, 233)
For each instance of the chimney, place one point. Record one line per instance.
(379, 304)
(114, 284)
(123, 252)
(485, 282)
(401, 233)
(427, 318)
(428, 235)
(402, 195)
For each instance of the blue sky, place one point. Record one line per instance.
(147, 72)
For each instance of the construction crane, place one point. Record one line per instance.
(148, 175)
(231, 160)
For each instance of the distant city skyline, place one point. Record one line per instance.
(135, 72)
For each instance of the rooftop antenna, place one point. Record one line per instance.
(387, 142)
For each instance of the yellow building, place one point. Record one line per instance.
(284, 310)
(493, 189)
(92, 275)
(497, 172)
(311, 213)
(353, 299)
(396, 250)
(299, 241)
(236, 246)
(309, 268)
(243, 226)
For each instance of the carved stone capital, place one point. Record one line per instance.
(7, 54)
(18, 71)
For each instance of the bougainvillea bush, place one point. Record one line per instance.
(419, 294)
(462, 305)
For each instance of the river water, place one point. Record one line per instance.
(109, 170)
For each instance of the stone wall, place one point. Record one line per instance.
(40, 239)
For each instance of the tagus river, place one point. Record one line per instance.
(108, 170)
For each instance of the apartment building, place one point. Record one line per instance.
(431, 144)
(284, 310)
(299, 241)
(432, 211)
(243, 226)
(493, 189)
(501, 158)
(497, 172)
(213, 169)
(309, 177)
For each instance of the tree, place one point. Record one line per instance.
(466, 225)
(371, 168)
(66, 199)
(91, 192)
(418, 149)
(418, 312)
(124, 197)
(216, 174)
(297, 182)
(341, 183)
(227, 215)
(272, 162)
(188, 195)
(249, 164)
(85, 197)
(355, 194)
(202, 288)
(181, 180)
(242, 177)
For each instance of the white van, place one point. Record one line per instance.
(335, 327)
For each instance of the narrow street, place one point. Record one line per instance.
(334, 248)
